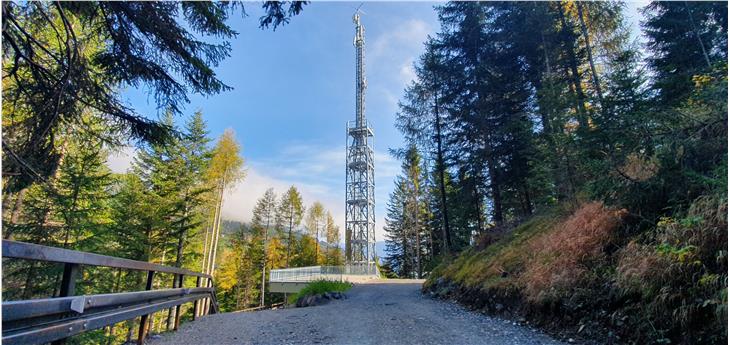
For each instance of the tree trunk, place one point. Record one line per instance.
(478, 206)
(495, 186)
(182, 235)
(217, 226)
(263, 264)
(697, 34)
(528, 201)
(445, 229)
(205, 246)
(288, 241)
(316, 243)
(589, 50)
(18, 208)
(418, 230)
(582, 118)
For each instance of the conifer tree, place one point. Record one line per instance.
(685, 38)
(407, 219)
(315, 224)
(333, 254)
(57, 77)
(263, 222)
(224, 171)
(290, 214)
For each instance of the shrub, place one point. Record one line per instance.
(318, 287)
(561, 257)
(638, 263)
(682, 275)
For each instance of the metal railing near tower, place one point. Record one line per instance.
(312, 273)
(360, 169)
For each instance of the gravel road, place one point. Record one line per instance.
(378, 312)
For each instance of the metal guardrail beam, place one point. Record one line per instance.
(17, 310)
(30, 251)
(64, 329)
(53, 320)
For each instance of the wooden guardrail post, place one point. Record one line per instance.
(196, 308)
(209, 305)
(68, 287)
(180, 279)
(169, 311)
(143, 322)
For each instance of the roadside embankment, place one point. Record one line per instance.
(583, 275)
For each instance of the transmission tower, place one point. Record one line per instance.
(359, 181)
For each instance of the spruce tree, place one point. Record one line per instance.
(685, 38)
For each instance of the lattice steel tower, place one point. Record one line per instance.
(360, 181)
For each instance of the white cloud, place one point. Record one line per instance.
(393, 52)
(239, 202)
(281, 174)
(407, 35)
(319, 174)
(407, 73)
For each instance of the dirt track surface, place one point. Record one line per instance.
(379, 312)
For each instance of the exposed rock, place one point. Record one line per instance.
(312, 300)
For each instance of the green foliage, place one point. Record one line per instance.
(407, 244)
(64, 60)
(289, 216)
(685, 38)
(532, 121)
(318, 287)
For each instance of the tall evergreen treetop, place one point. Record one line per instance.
(139, 43)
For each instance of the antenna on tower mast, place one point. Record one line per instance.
(360, 172)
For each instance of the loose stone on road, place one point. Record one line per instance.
(377, 312)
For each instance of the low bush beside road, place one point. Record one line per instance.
(324, 289)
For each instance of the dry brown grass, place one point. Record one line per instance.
(561, 257)
(640, 168)
(682, 274)
(637, 263)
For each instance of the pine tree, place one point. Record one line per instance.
(190, 207)
(290, 214)
(263, 222)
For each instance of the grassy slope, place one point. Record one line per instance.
(568, 274)
(484, 269)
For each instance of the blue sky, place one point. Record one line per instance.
(294, 90)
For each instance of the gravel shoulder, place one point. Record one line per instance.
(377, 312)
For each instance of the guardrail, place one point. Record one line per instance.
(40, 321)
(304, 274)
(310, 273)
